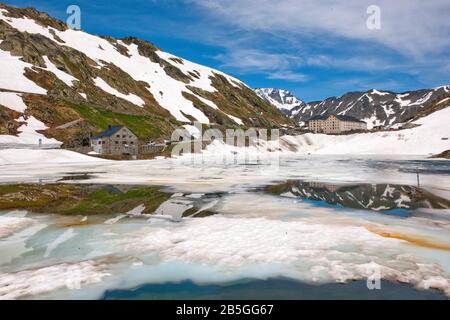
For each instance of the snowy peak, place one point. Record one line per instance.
(378, 108)
(282, 99)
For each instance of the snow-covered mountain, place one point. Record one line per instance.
(52, 76)
(282, 99)
(375, 197)
(378, 108)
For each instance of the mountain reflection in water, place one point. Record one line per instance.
(385, 198)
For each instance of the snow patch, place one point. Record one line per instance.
(9, 225)
(13, 78)
(23, 156)
(236, 119)
(12, 101)
(61, 75)
(35, 282)
(134, 99)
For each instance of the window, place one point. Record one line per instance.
(117, 142)
(118, 136)
(99, 142)
(124, 142)
(131, 142)
(124, 136)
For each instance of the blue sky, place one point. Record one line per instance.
(316, 49)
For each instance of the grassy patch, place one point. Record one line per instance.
(144, 126)
(80, 199)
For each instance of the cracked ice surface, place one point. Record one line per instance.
(254, 234)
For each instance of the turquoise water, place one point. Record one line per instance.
(214, 233)
(282, 289)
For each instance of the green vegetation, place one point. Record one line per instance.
(193, 213)
(144, 126)
(105, 201)
(80, 199)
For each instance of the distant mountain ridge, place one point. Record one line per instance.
(282, 99)
(377, 108)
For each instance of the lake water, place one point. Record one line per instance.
(305, 228)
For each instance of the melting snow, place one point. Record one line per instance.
(61, 75)
(35, 282)
(9, 225)
(166, 90)
(13, 75)
(12, 101)
(134, 99)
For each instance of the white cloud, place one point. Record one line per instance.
(288, 76)
(252, 60)
(275, 66)
(363, 63)
(414, 27)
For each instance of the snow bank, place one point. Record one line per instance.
(22, 156)
(316, 252)
(9, 225)
(236, 119)
(35, 282)
(27, 132)
(12, 101)
(432, 136)
(428, 138)
(13, 78)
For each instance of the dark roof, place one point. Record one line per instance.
(340, 117)
(108, 132)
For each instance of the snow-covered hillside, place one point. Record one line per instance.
(166, 90)
(282, 99)
(376, 108)
(40, 56)
(431, 136)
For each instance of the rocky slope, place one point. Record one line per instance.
(378, 108)
(284, 100)
(52, 76)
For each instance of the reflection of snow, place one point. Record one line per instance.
(66, 235)
(9, 225)
(388, 192)
(43, 280)
(316, 252)
(174, 207)
(253, 235)
(136, 211)
(400, 201)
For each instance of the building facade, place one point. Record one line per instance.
(335, 124)
(116, 140)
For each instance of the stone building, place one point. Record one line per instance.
(335, 124)
(116, 140)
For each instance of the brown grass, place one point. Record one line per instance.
(415, 240)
